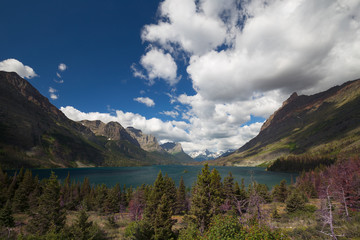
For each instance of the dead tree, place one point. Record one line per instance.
(327, 215)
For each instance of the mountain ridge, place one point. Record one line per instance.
(326, 123)
(34, 133)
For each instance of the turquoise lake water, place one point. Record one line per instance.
(136, 176)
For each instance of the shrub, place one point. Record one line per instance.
(224, 227)
(295, 201)
(139, 230)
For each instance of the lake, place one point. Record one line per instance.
(136, 176)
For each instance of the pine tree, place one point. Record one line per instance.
(65, 193)
(163, 222)
(35, 194)
(280, 192)
(112, 201)
(101, 195)
(263, 191)
(295, 201)
(240, 191)
(4, 181)
(201, 204)
(6, 218)
(12, 187)
(85, 188)
(229, 187)
(181, 204)
(170, 190)
(82, 228)
(21, 197)
(216, 192)
(152, 203)
(48, 214)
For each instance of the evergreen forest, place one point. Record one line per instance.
(323, 203)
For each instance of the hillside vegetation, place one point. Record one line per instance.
(324, 125)
(35, 134)
(323, 204)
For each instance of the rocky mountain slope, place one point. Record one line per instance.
(34, 133)
(324, 124)
(113, 131)
(177, 151)
(146, 141)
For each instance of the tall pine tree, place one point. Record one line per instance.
(21, 197)
(181, 204)
(201, 203)
(163, 222)
(48, 215)
(6, 217)
(155, 196)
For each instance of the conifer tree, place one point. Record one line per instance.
(280, 192)
(216, 191)
(65, 192)
(181, 204)
(163, 222)
(240, 191)
(128, 194)
(170, 190)
(201, 204)
(12, 187)
(85, 188)
(83, 229)
(35, 193)
(48, 214)
(4, 181)
(295, 201)
(101, 195)
(155, 196)
(21, 197)
(6, 217)
(112, 201)
(263, 191)
(229, 187)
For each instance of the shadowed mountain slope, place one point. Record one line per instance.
(34, 133)
(323, 124)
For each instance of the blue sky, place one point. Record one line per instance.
(204, 73)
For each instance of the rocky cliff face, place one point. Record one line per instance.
(147, 142)
(111, 130)
(172, 147)
(323, 123)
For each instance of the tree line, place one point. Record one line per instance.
(299, 163)
(213, 208)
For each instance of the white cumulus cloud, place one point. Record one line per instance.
(13, 65)
(187, 134)
(158, 64)
(52, 92)
(62, 67)
(172, 114)
(145, 100)
(245, 58)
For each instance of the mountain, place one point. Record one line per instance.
(147, 142)
(207, 155)
(177, 151)
(34, 133)
(113, 131)
(324, 124)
